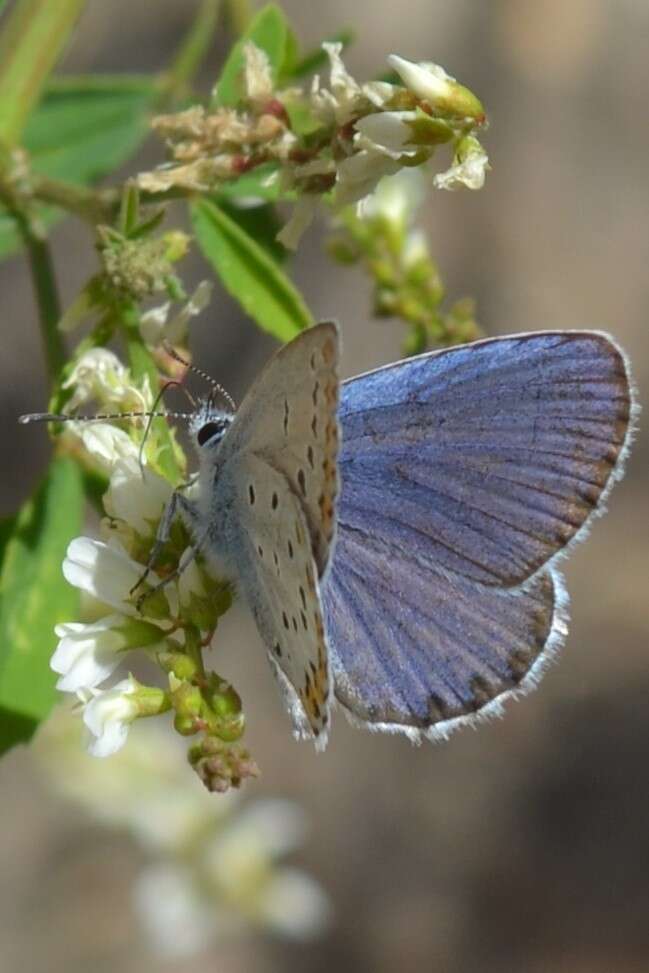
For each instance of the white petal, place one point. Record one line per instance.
(359, 174)
(102, 571)
(388, 131)
(470, 173)
(397, 198)
(86, 654)
(427, 81)
(179, 922)
(257, 76)
(295, 905)
(105, 443)
(111, 740)
(108, 716)
(137, 496)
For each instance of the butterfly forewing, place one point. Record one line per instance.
(289, 419)
(485, 460)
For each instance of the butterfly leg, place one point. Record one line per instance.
(189, 513)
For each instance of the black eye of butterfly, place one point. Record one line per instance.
(206, 432)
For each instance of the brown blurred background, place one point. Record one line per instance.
(523, 846)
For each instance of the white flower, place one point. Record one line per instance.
(341, 103)
(108, 716)
(257, 76)
(137, 496)
(469, 167)
(179, 921)
(155, 327)
(100, 375)
(105, 572)
(106, 443)
(347, 97)
(387, 132)
(396, 199)
(87, 654)
(294, 905)
(359, 174)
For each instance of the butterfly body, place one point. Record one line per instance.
(399, 548)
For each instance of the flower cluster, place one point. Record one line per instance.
(214, 870)
(127, 607)
(332, 142)
(380, 234)
(136, 266)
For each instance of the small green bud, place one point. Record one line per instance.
(342, 250)
(139, 634)
(181, 665)
(225, 700)
(151, 603)
(150, 700)
(231, 729)
(185, 725)
(177, 244)
(187, 699)
(429, 131)
(431, 84)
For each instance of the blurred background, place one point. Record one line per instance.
(523, 846)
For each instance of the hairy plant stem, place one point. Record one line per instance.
(45, 289)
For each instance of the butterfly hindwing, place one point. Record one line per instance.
(488, 459)
(418, 651)
(265, 528)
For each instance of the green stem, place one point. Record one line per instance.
(194, 650)
(45, 290)
(192, 50)
(93, 205)
(239, 15)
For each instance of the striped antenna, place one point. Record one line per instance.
(100, 416)
(199, 371)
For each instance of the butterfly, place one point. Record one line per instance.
(396, 535)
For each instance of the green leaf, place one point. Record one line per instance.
(259, 222)
(32, 40)
(256, 184)
(34, 597)
(249, 273)
(83, 129)
(269, 31)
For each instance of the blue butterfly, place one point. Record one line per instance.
(396, 535)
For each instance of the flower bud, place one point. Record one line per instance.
(430, 83)
(186, 699)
